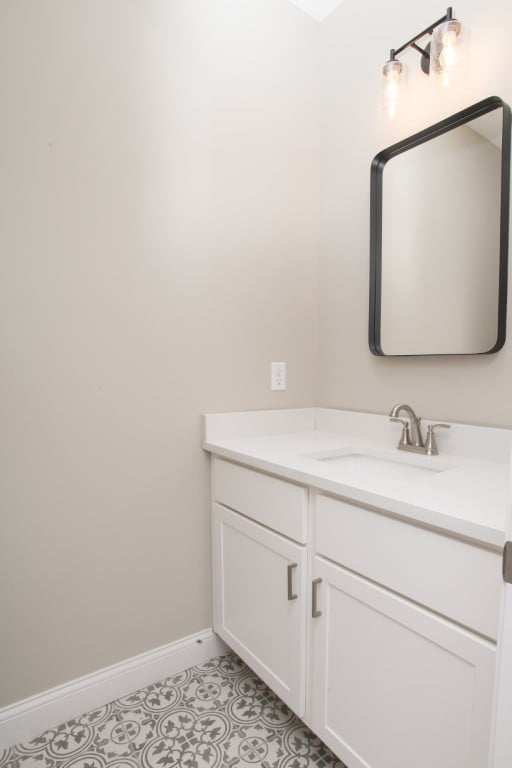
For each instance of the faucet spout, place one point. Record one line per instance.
(414, 421)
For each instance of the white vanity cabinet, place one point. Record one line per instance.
(260, 584)
(394, 623)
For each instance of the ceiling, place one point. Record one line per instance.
(318, 9)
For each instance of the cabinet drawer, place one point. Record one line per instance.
(275, 503)
(452, 577)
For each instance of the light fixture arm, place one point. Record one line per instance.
(424, 51)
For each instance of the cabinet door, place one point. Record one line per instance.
(393, 685)
(256, 613)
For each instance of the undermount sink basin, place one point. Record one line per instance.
(403, 467)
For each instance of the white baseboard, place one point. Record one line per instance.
(28, 718)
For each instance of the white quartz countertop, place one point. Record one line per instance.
(459, 491)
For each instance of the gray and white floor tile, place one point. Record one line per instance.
(216, 715)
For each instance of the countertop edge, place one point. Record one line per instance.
(481, 535)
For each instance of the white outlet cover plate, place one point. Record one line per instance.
(277, 376)
(318, 9)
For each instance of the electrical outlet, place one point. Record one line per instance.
(277, 376)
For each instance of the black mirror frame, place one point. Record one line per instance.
(470, 113)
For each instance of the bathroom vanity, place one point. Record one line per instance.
(361, 583)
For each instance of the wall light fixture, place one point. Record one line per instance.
(442, 56)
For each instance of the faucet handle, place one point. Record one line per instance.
(430, 442)
(405, 438)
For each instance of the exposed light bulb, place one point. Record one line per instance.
(448, 57)
(449, 37)
(394, 75)
(447, 50)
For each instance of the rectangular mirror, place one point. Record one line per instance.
(439, 237)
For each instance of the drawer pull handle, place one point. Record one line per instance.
(291, 596)
(315, 613)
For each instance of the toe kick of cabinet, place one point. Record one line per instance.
(450, 576)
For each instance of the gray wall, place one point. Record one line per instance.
(354, 129)
(158, 248)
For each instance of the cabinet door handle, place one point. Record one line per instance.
(291, 596)
(315, 613)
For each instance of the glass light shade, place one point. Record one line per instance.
(448, 50)
(394, 76)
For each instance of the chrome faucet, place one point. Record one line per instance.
(411, 438)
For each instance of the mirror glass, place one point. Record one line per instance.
(439, 237)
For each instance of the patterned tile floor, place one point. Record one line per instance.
(215, 715)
